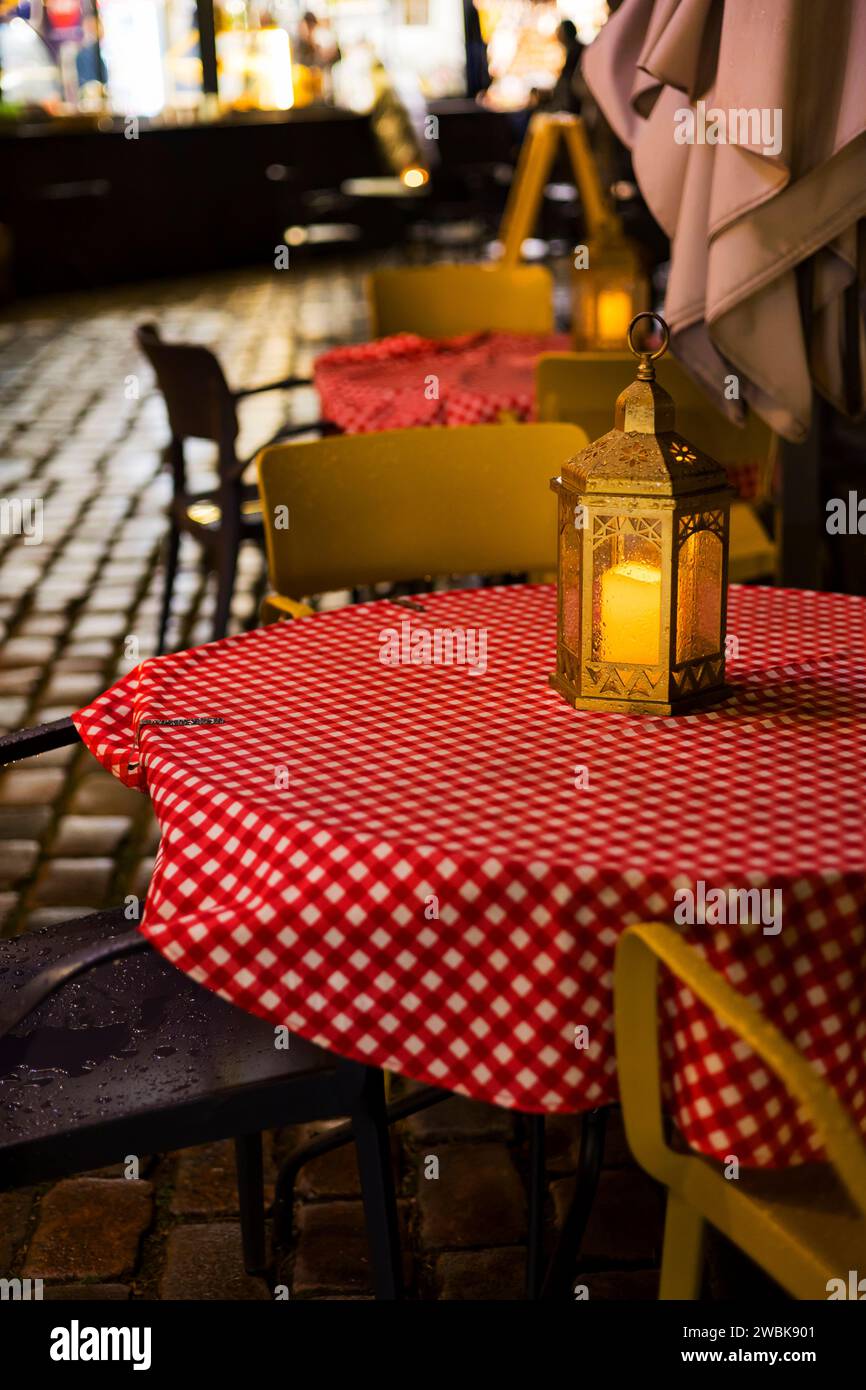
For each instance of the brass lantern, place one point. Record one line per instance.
(643, 561)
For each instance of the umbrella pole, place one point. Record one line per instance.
(798, 506)
(798, 503)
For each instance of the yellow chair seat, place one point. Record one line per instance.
(798, 1223)
(752, 554)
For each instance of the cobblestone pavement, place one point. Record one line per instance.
(82, 428)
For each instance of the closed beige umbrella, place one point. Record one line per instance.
(784, 190)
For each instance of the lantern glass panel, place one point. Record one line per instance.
(570, 542)
(699, 594)
(626, 593)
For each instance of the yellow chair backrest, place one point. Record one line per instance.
(583, 387)
(404, 504)
(639, 952)
(442, 301)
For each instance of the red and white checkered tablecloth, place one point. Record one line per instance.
(476, 379)
(405, 864)
(403, 381)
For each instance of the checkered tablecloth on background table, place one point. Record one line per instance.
(477, 379)
(399, 382)
(396, 862)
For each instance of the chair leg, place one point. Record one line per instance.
(370, 1126)
(227, 560)
(537, 1194)
(557, 1283)
(683, 1253)
(172, 549)
(333, 1139)
(251, 1200)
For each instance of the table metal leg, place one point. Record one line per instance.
(334, 1138)
(558, 1281)
(372, 1144)
(537, 1196)
(251, 1199)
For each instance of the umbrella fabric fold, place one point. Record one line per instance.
(747, 126)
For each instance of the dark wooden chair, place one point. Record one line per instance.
(201, 405)
(106, 1050)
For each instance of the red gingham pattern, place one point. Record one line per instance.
(478, 379)
(745, 478)
(312, 903)
(389, 384)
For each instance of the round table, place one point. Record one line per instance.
(425, 863)
(398, 382)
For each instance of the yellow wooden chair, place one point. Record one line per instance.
(349, 510)
(442, 301)
(804, 1226)
(583, 386)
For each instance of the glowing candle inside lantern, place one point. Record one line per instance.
(614, 315)
(631, 606)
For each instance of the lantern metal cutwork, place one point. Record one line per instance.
(644, 521)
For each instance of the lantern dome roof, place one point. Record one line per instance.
(644, 454)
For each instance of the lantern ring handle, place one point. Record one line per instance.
(666, 335)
